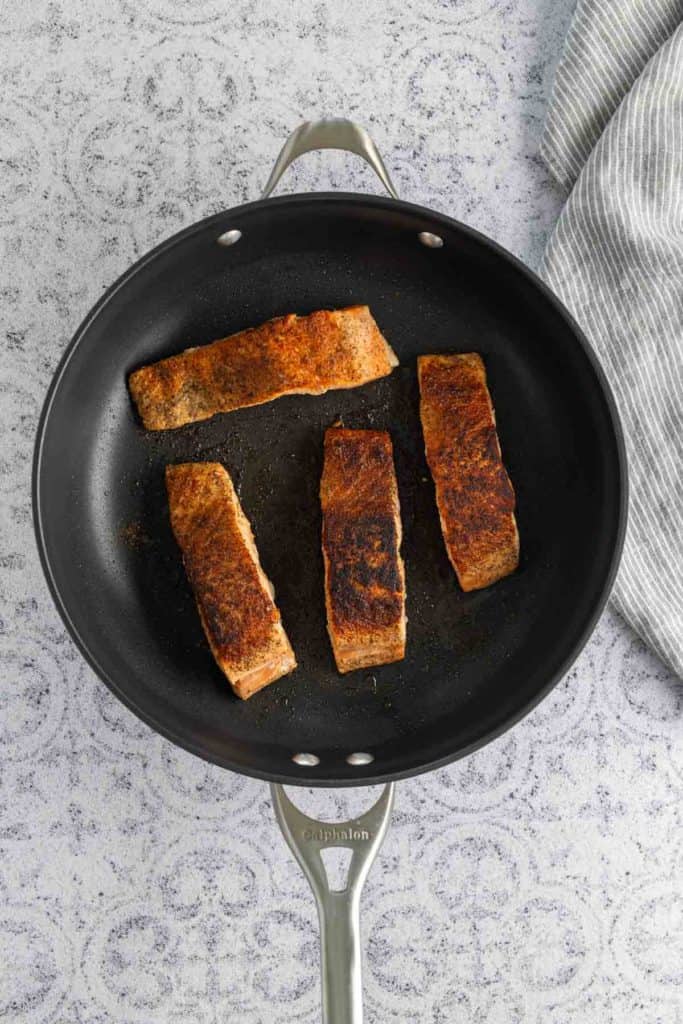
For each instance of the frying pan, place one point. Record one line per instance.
(475, 663)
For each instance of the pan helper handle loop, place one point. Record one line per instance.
(338, 911)
(330, 133)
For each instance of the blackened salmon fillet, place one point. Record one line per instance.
(474, 495)
(341, 348)
(234, 597)
(364, 574)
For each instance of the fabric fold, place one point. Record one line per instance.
(616, 260)
(608, 45)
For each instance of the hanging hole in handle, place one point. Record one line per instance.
(229, 237)
(306, 760)
(337, 861)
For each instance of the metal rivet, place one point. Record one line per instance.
(360, 758)
(229, 237)
(430, 240)
(306, 760)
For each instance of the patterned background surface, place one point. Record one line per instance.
(540, 880)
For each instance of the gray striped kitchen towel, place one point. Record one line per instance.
(615, 128)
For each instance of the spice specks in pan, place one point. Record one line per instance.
(134, 536)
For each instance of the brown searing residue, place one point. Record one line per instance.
(133, 536)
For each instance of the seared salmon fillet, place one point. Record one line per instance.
(474, 495)
(364, 575)
(340, 348)
(234, 596)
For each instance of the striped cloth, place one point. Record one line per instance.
(615, 132)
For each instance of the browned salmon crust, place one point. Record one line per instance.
(233, 594)
(340, 348)
(364, 574)
(474, 495)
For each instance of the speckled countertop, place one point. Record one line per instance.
(538, 881)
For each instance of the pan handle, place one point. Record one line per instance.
(338, 911)
(330, 133)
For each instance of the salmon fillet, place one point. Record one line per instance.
(474, 495)
(234, 596)
(364, 574)
(340, 348)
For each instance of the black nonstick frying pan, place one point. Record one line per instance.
(476, 662)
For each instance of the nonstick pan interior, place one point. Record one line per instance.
(475, 662)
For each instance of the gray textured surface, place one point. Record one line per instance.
(540, 880)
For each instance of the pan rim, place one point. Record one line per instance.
(372, 776)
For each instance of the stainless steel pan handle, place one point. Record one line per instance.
(338, 912)
(330, 133)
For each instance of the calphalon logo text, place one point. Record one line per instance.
(335, 835)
